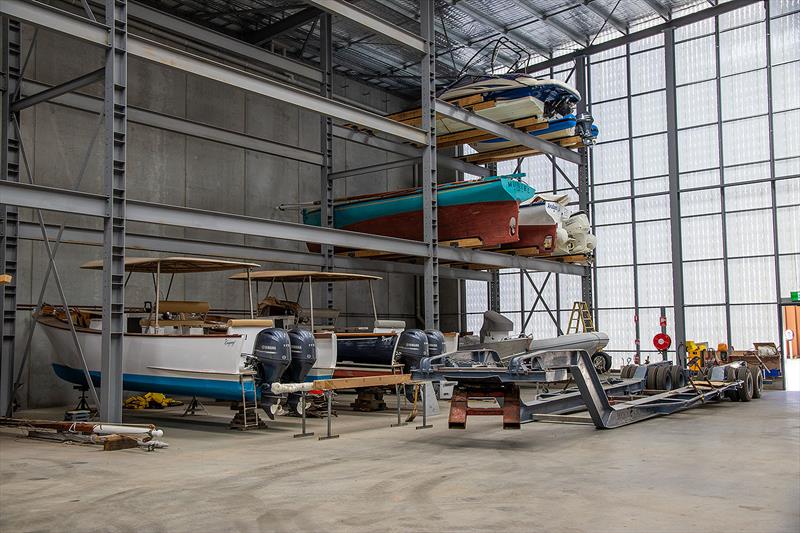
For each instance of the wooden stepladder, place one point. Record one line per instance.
(580, 318)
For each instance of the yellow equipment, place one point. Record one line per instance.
(580, 316)
(696, 355)
(151, 399)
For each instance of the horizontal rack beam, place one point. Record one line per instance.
(54, 199)
(178, 245)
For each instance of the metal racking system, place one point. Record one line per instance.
(278, 80)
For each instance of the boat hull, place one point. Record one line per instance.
(208, 366)
(538, 227)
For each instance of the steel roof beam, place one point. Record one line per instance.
(371, 22)
(660, 9)
(562, 28)
(484, 20)
(605, 14)
(290, 23)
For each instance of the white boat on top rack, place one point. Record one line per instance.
(179, 347)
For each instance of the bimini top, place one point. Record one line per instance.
(302, 275)
(174, 265)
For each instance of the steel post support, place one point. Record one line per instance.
(429, 177)
(773, 191)
(631, 170)
(9, 225)
(582, 85)
(115, 101)
(326, 148)
(674, 197)
(494, 291)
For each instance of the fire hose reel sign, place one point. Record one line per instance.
(662, 342)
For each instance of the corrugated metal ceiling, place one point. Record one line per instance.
(469, 32)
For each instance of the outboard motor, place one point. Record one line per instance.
(273, 352)
(412, 347)
(435, 342)
(304, 355)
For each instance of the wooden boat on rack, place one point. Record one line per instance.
(547, 226)
(485, 209)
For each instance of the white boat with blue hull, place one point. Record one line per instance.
(179, 347)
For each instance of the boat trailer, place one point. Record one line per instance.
(611, 404)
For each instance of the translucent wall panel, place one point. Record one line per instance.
(647, 71)
(785, 36)
(785, 86)
(695, 60)
(740, 17)
(649, 112)
(612, 119)
(569, 290)
(754, 323)
(611, 162)
(751, 280)
(748, 197)
(509, 293)
(652, 242)
(746, 141)
(787, 167)
(652, 207)
(742, 49)
(703, 27)
(655, 285)
(477, 296)
(538, 173)
(548, 293)
(787, 191)
(699, 179)
(620, 327)
(615, 287)
(474, 321)
(787, 133)
(650, 156)
(608, 80)
(752, 172)
(703, 282)
(790, 274)
(698, 149)
(616, 190)
(612, 212)
(701, 202)
(706, 324)
(617, 246)
(651, 185)
(749, 233)
(697, 104)
(541, 326)
(702, 237)
(744, 95)
(789, 230)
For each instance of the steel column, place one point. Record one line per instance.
(631, 167)
(326, 147)
(430, 226)
(674, 197)
(582, 85)
(9, 225)
(115, 101)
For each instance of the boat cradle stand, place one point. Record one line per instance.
(617, 403)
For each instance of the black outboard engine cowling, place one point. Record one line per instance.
(411, 348)
(273, 351)
(304, 355)
(435, 342)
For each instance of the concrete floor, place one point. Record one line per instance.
(722, 467)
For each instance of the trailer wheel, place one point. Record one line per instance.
(664, 378)
(609, 362)
(650, 381)
(758, 381)
(746, 390)
(678, 377)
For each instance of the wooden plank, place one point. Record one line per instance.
(5, 278)
(369, 381)
(514, 152)
(471, 100)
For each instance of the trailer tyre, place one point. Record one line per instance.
(746, 390)
(678, 377)
(650, 380)
(664, 378)
(758, 381)
(609, 362)
(600, 363)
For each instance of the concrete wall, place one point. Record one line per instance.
(176, 169)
